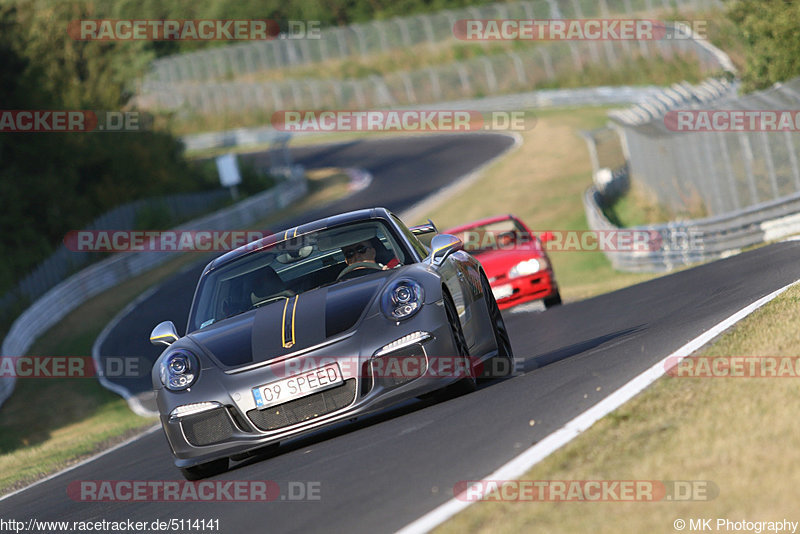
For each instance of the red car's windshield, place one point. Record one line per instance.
(493, 236)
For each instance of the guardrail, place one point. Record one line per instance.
(682, 243)
(93, 280)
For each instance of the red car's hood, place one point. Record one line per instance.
(497, 262)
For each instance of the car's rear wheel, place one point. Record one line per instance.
(208, 469)
(502, 364)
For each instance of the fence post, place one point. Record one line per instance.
(437, 90)
(520, 70)
(773, 179)
(410, 96)
(491, 80)
(726, 160)
(548, 63)
(787, 135)
(747, 153)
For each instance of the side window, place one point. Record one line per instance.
(412, 239)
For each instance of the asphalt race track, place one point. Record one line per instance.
(382, 472)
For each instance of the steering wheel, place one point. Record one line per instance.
(358, 265)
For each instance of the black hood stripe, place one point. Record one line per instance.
(345, 306)
(279, 328)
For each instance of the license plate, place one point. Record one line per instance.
(501, 292)
(297, 386)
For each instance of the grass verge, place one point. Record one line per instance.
(639, 206)
(738, 433)
(50, 423)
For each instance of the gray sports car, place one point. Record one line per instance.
(318, 324)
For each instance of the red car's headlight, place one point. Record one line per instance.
(528, 267)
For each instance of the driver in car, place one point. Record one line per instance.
(365, 252)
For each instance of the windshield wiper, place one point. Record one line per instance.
(266, 301)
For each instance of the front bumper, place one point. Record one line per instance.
(513, 291)
(236, 426)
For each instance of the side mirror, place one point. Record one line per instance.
(442, 246)
(164, 333)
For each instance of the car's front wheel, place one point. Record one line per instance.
(208, 469)
(468, 383)
(553, 300)
(502, 364)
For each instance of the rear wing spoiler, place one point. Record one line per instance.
(425, 232)
(422, 229)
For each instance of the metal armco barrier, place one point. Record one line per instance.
(680, 243)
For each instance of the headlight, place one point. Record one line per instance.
(527, 267)
(402, 299)
(179, 370)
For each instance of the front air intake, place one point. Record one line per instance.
(305, 408)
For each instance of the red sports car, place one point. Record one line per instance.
(514, 260)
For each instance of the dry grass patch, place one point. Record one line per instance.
(739, 433)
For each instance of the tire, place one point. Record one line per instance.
(465, 385)
(502, 364)
(553, 300)
(208, 469)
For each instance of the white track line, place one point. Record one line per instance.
(533, 455)
(133, 403)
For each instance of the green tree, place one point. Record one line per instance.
(51, 183)
(770, 30)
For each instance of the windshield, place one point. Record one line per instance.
(293, 266)
(500, 235)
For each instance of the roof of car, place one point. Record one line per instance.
(481, 222)
(295, 231)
